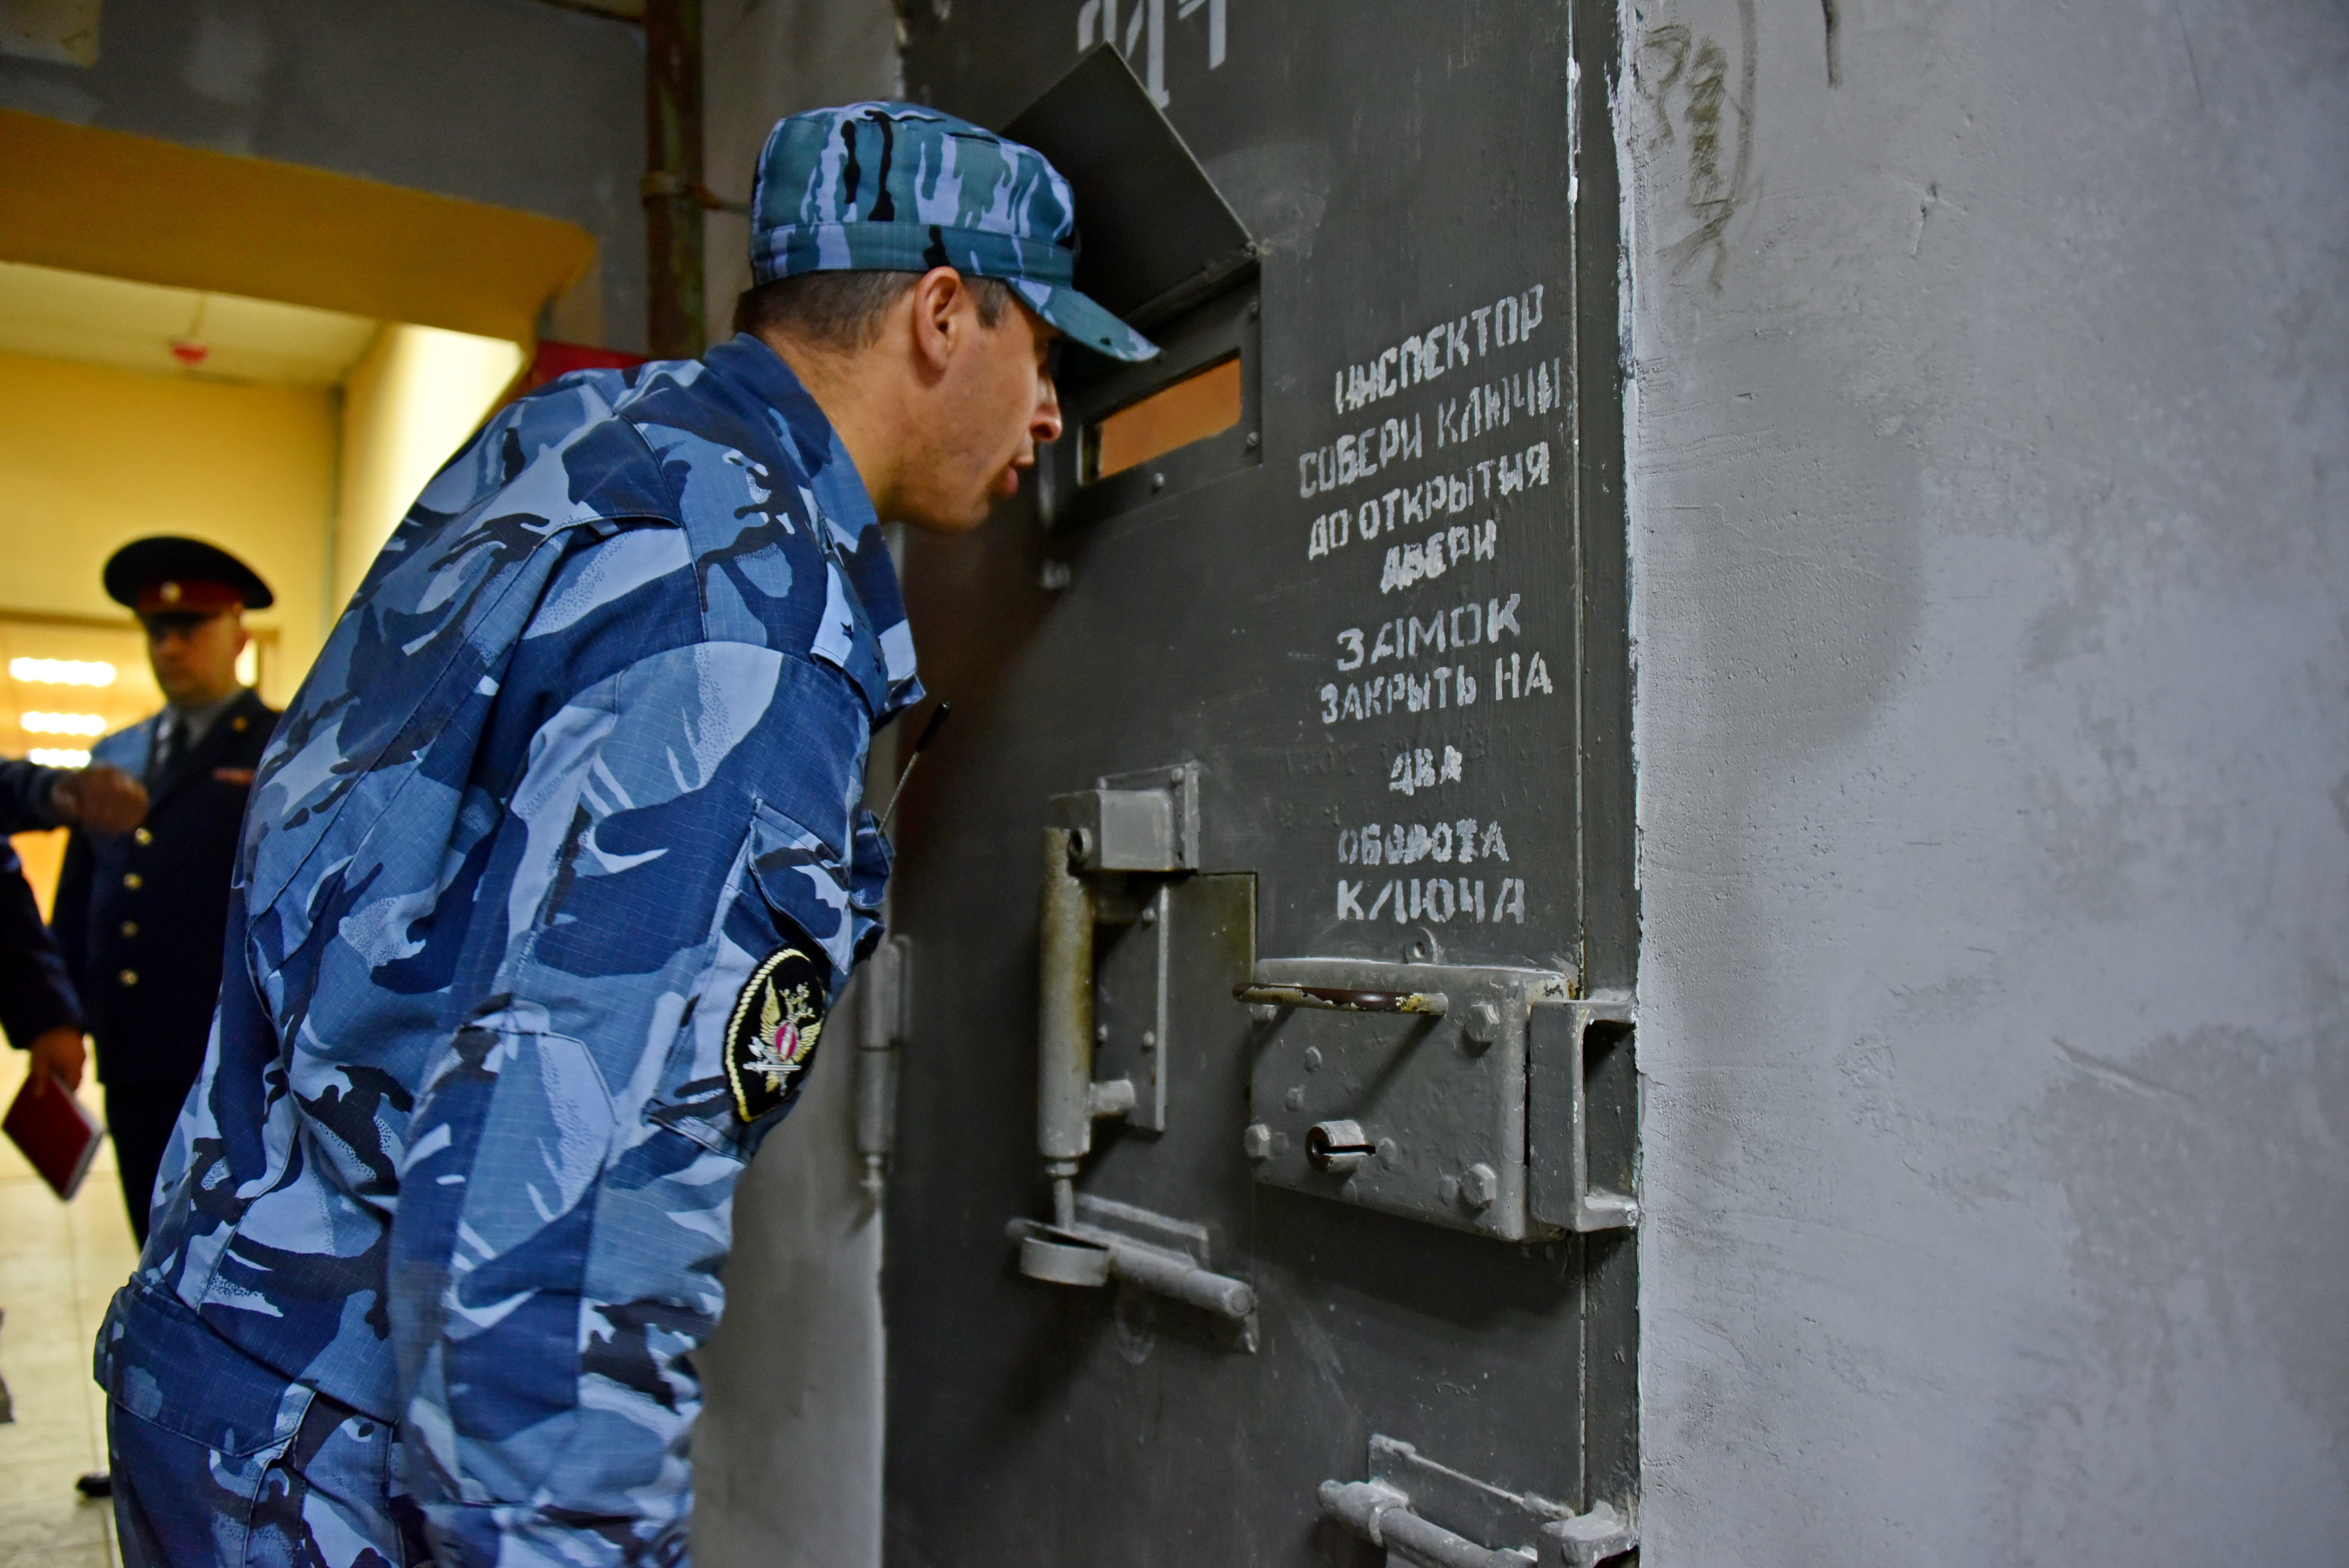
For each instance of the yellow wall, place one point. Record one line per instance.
(92, 458)
(411, 401)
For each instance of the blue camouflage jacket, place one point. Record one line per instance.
(550, 872)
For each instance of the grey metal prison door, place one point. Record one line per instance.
(1266, 1156)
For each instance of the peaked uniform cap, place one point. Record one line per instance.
(896, 187)
(164, 572)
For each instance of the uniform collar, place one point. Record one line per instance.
(195, 723)
(756, 372)
(750, 362)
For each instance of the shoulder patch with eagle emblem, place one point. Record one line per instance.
(773, 1034)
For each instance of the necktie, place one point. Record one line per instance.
(166, 736)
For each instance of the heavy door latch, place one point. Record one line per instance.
(1110, 856)
(1428, 1515)
(1484, 1098)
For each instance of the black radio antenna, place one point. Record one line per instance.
(929, 732)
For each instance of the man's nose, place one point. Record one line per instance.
(1046, 425)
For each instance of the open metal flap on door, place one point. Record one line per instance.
(1157, 244)
(1154, 232)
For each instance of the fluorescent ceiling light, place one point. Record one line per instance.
(63, 723)
(63, 672)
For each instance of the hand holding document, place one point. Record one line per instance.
(55, 1134)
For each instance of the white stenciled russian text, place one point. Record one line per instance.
(1496, 403)
(1459, 839)
(1435, 898)
(1423, 356)
(1420, 769)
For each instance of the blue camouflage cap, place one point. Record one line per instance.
(896, 187)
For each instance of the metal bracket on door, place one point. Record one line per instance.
(1104, 849)
(1459, 1095)
(1118, 1241)
(1108, 854)
(1428, 1515)
(1572, 1132)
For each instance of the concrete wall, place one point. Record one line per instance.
(514, 102)
(787, 1457)
(1993, 577)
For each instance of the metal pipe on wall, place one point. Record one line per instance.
(673, 193)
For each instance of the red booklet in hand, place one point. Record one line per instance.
(55, 1133)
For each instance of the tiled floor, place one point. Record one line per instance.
(58, 1264)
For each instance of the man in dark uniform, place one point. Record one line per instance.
(140, 916)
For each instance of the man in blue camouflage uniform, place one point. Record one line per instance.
(551, 874)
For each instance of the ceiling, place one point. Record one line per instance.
(133, 326)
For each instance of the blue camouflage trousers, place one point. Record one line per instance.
(220, 1462)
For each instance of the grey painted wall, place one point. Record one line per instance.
(513, 102)
(787, 1456)
(765, 59)
(1993, 577)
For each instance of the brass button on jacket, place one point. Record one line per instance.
(128, 977)
(133, 880)
(141, 835)
(130, 928)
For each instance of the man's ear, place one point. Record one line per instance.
(941, 304)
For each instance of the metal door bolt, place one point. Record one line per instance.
(1338, 1147)
(1255, 1140)
(1479, 1185)
(1483, 1025)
